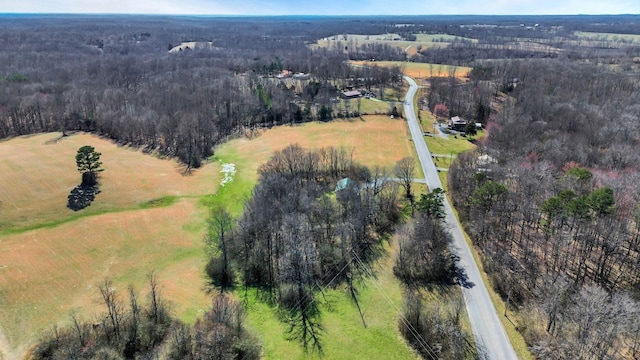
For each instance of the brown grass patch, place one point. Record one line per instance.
(47, 273)
(37, 173)
(375, 140)
(422, 70)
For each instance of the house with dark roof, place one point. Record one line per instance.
(457, 123)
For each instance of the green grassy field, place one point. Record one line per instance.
(344, 335)
(369, 106)
(450, 146)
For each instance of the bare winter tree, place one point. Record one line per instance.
(404, 171)
(219, 270)
(114, 307)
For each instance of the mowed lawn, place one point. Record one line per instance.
(38, 172)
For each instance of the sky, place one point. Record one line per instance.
(325, 7)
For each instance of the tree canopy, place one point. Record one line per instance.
(89, 164)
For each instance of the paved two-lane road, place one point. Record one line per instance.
(491, 338)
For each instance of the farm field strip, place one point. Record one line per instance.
(422, 41)
(422, 70)
(599, 36)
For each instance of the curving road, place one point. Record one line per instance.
(490, 336)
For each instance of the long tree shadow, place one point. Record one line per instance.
(461, 274)
(82, 196)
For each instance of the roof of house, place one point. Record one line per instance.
(352, 93)
(458, 120)
(343, 184)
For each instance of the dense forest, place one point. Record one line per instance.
(551, 199)
(118, 78)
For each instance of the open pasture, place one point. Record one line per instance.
(422, 70)
(47, 273)
(353, 41)
(38, 172)
(608, 37)
(423, 41)
(442, 38)
(375, 140)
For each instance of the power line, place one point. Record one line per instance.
(368, 272)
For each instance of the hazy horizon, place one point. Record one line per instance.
(326, 8)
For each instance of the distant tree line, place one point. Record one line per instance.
(122, 83)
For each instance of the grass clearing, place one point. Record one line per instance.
(146, 218)
(609, 37)
(156, 223)
(351, 41)
(48, 273)
(422, 70)
(372, 106)
(375, 140)
(450, 146)
(38, 172)
(443, 38)
(345, 337)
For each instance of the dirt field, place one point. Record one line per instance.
(38, 172)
